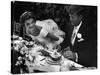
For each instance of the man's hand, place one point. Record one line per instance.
(69, 54)
(67, 49)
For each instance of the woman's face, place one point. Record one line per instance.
(29, 24)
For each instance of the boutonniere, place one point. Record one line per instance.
(80, 38)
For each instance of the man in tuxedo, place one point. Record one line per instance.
(83, 48)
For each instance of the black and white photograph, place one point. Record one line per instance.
(53, 37)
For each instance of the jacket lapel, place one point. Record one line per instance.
(79, 31)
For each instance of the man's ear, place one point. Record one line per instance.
(80, 16)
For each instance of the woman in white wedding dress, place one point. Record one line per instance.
(45, 31)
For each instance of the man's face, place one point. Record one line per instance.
(75, 19)
(29, 24)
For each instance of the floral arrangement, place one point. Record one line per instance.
(38, 57)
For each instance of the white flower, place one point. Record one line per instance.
(79, 35)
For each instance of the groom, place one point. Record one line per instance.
(83, 38)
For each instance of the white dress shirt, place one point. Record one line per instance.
(75, 31)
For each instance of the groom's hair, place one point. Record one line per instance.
(78, 9)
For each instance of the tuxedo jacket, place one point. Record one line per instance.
(86, 48)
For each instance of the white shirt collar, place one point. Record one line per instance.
(77, 27)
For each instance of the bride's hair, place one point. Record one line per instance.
(25, 16)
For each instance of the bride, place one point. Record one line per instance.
(45, 31)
